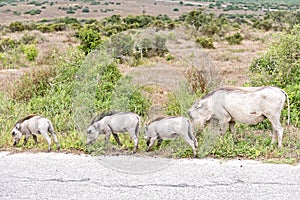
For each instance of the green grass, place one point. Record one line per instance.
(249, 144)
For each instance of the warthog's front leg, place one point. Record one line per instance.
(26, 139)
(35, 139)
(152, 140)
(117, 138)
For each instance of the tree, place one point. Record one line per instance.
(90, 39)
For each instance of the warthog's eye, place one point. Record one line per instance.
(89, 131)
(13, 133)
(199, 105)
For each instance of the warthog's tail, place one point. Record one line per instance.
(191, 135)
(288, 105)
(137, 128)
(51, 129)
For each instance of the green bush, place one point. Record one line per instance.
(280, 66)
(29, 39)
(120, 45)
(90, 39)
(58, 26)
(208, 24)
(234, 39)
(30, 51)
(205, 42)
(150, 44)
(16, 26)
(33, 12)
(44, 28)
(85, 10)
(7, 44)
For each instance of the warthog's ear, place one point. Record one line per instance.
(18, 126)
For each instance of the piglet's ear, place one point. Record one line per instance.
(18, 126)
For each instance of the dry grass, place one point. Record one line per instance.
(48, 45)
(233, 61)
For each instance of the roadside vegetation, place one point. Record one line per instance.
(72, 86)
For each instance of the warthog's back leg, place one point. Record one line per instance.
(51, 130)
(46, 136)
(56, 141)
(136, 141)
(277, 129)
(190, 142)
(134, 135)
(159, 142)
(232, 130)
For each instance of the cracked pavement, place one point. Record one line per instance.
(68, 176)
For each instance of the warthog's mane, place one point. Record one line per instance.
(25, 118)
(104, 114)
(160, 118)
(231, 88)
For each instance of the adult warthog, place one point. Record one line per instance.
(113, 123)
(168, 128)
(32, 125)
(248, 105)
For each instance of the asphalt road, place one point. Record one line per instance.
(67, 176)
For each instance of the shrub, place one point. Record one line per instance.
(234, 39)
(28, 39)
(33, 12)
(58, 27)
(16, 26)
(85, 10)
(280, 66)
(208, 24)
(33, 83)
(149, 44)
(90, 39)
(205, 42)
(44, 28)
(121, 45)
(7, 44)
(30, 51)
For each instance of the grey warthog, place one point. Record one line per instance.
(248, 105)
(113, 123)
(32, 125)
(168, 128)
